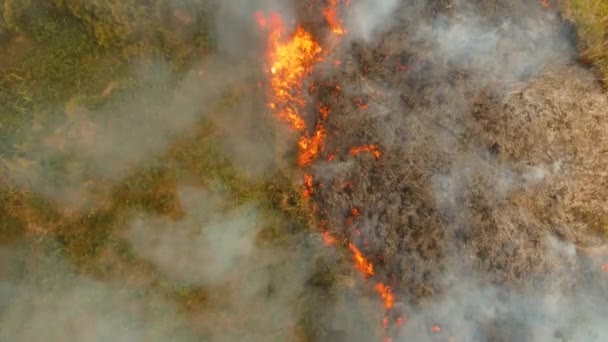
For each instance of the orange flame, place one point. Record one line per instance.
(308, 186)
(373, 149)
(324, 110)
(310, 147)
(436, 329)
(289, 63)
(386, 294)
(361, 263)
(331, 15)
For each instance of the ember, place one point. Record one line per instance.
(386, 294)
(361, 263)
(373, 149)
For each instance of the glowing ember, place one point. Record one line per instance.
(373, 149)
(386, 294)
(361, 263)
(605, 267)
(329, 239)
(545, 4)
(435, 329)
(359, 103)
(308, 183)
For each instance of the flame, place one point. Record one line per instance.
(605, 267)
(373, 149)
(436, 329)
(354, 213)
(289, 63)
(324, 110)
(386, 294)
(361, 263)
(331, 15)
(310, 147)
(329, 239)
(308, 186)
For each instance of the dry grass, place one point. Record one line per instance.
(591, 18)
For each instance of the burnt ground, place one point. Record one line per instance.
(492, 147)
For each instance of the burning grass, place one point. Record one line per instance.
(388, 185)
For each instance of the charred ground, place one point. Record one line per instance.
(488, 148)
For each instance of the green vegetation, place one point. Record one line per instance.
(591, 18)
(70, 69)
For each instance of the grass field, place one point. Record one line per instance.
(591, 19)
(54, 71)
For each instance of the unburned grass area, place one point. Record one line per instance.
(56, 76)
(591, 19)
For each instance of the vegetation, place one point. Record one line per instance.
(591, 19)
(71, 66)
(72, 61)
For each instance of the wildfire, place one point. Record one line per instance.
(361, 263)
(331, 15)
(308, 185)
(310, 147)
(386, 294)
(373, 149)
(289, 63)
(324, 110)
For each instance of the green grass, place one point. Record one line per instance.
(62, 70)
(591, 19)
